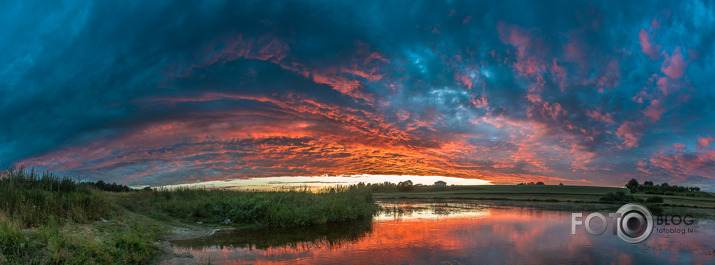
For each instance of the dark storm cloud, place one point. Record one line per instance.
(156, 93)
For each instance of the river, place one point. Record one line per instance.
(450, 232)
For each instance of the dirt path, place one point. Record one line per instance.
(186, 231)
(182, 231)
(176, 230)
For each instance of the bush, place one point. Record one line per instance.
(618, 196)
(654, 199)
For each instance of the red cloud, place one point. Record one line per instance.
(654, 110)
(363, 64)
(548, 110)
(600, 117)
(704, 142)
(647, 47)
(682, 163)
(665, 86)
(628, 134)
(677, 146)
(574, 52)
(528, 64)
(674, 66)
(611, 76)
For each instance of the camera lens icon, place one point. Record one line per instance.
(635, 223)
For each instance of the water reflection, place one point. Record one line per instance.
(421, 209)
(329, 235)
(450, 232)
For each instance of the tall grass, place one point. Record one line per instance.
(45, 219)
(274, 208)
(33, 199)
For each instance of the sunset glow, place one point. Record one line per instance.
(317, 182)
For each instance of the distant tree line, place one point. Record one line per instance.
(532, 183)
(391, 187)
(113, 187)
(649, 188)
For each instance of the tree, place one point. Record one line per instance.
(664, 187)
(539, 183)
(561, 184)
(632, 185)
(405, 185)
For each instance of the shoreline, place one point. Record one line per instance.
(573, 206)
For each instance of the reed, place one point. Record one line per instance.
(274, 208)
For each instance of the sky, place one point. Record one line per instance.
(175, 92)
(317, 183)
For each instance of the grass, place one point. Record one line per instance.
(46, 219)
(71, 243)
(37, 199)
(277, 208)
(704, 200)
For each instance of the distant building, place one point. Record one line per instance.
(440, 184)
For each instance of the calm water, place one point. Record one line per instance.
(449, 232)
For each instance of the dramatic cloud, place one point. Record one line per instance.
(183, 92)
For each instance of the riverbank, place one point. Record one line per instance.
(47, 219)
